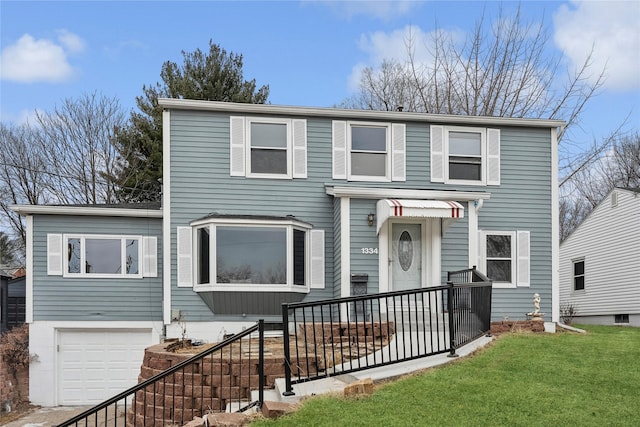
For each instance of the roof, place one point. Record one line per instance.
(140, 210)
(239, 108)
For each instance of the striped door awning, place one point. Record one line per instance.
(403, 208)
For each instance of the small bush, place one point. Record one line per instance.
(14, 352)
(567, 313)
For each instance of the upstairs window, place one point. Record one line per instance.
(578, 275)
(268, 147)
(465, 155)
(368, 151)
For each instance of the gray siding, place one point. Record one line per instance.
(83, 299)
(201, 184)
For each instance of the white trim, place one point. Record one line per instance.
(123, 255)
(241, 108)
(166, 217)
(29, 278)
(345, 248)
(86, 211)
(472, 214)
(395, 193)
(555, 231)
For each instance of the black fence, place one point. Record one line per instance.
(344, 335)
(218, 379)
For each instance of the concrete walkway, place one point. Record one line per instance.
(48, 417)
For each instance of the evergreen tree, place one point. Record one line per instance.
(213, 76)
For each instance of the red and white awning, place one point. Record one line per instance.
(397, 208)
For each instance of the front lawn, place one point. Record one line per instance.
(521, 379)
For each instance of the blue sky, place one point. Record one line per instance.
(308, 52)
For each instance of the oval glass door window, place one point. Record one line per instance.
(405, 251)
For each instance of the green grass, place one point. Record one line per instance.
(562, 379)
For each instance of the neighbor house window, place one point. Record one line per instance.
(268, 147)
(369, 151)
(103, 256)
(257, 255)
(578, 275)
(465, 155)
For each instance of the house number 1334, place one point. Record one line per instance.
(369, 251)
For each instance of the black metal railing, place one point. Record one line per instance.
(331, 337)
(218, 379)
(469, 306)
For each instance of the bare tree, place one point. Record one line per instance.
(65, 157)
(615, 163)
(503, 71)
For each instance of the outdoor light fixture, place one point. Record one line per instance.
(370, 219)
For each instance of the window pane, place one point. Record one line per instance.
(464, 170)
(578, 268)
(578, 283)
(298, 257)
(368, 164)
(132, 256)
(499, 270)
(498, 246)
(272, 135)
(73, 249)
(268, 161)
(464, 143)
(366, 138)
(251, 255)
(203, 255)
(103, 256)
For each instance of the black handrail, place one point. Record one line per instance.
(161, 377)
(366, 331)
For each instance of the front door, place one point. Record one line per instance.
(406, 256)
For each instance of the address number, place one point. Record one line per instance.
(369, 251)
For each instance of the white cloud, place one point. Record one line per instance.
(612, 29)
(395, 46)
(381, 9)
(43, 60)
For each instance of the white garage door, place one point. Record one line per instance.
(94, 365)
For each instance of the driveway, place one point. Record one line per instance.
(47, 417)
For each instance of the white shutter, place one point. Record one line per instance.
(339, 137)
(185, 266)
(149, 256)
(299, 148)
(317, 259)
(523, 256)
(437, 153)
(237, 151)
(493, 156)
(398, 152)
(54, 254)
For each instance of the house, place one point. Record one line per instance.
(266, 204)
(595, 260)
(12, 301)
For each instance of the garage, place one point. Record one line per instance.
(94, 365)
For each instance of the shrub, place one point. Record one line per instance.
(567, 313)
(14, 352)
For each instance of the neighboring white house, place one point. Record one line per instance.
(598, 262)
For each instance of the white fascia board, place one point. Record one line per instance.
(85, 211)
(397, 193)
(337, 113)
(555, 230)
